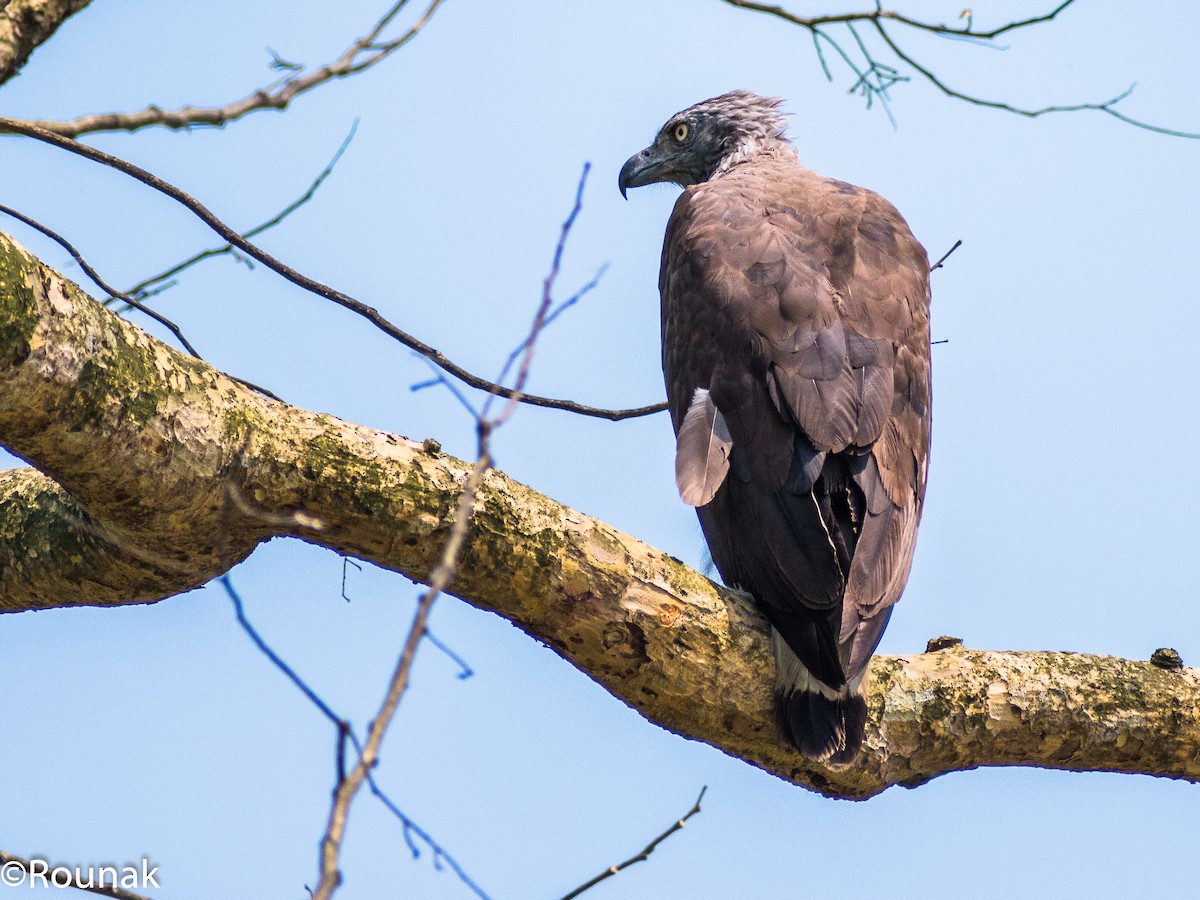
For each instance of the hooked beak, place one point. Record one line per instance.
(644, 167)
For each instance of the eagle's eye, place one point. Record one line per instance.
(681, 132)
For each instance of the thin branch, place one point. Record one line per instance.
(146, 288)
(346, 734)
(358, 57)
(103, 285)
(265, 648)
(439, 377)
(372, 315)
(440, 856)
(14, 864)
(1107, 107)
(441, 577)
(879, 14)
(945, 256)
(346, 563)
(368, 757)
(464, 669)
(646, 851)
(885, 75)
(542, 316)
(130, 302)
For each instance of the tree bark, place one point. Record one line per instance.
(25, 25)
(156, 473)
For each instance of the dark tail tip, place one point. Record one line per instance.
(823, 729)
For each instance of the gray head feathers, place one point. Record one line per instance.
(707, 139)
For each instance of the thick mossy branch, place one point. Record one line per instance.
(157, 472)
(25, 25)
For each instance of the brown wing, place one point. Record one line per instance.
(801, 304)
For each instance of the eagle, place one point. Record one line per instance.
(795, 349)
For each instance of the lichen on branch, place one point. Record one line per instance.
(139, 450)
(27, 24)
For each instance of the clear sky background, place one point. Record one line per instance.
(1062, 495)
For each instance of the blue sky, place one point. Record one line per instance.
(1058, 514)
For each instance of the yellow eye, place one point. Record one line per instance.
(681, 132)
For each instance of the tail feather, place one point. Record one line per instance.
(825, 723)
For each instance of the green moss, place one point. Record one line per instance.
(18, 309)
(605, 543)
(40, 521)
(127, 375)
(365, 486)
(938, 706)
(548, 546)
(237, 424)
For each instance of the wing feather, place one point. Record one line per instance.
(701, 451)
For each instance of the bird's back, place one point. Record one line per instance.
(800, 303)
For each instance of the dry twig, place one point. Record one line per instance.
(156, 284)
(131, 302)
(361, 55)
(873, 77)
(372, 315)
(644, 855)
(346, 735)
(440, 578)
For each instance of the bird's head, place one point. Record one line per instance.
(705, 139)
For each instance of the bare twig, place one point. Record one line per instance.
(873, 77)
(372, 315)
(1108, 107)
(345, 734)
(130, 302)
(103, 285)
(8, 860)
(646, 851)
(346, 563)
(148, 287)
(440, 579)
(265, 649)
(879, 15)
(945, 256)
(368, 758)
(464, 669)
(361, 55)
(543, 314)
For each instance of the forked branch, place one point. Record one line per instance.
(327, 292)
(140, 420)
(365, 52)
(874, 75)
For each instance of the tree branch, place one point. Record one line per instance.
(25, 25)
(333, 295)
(873, 78)
(358, 57)
(443, 574)
(156, 284)
(145, 440)
(883, 15)
(644, 855)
